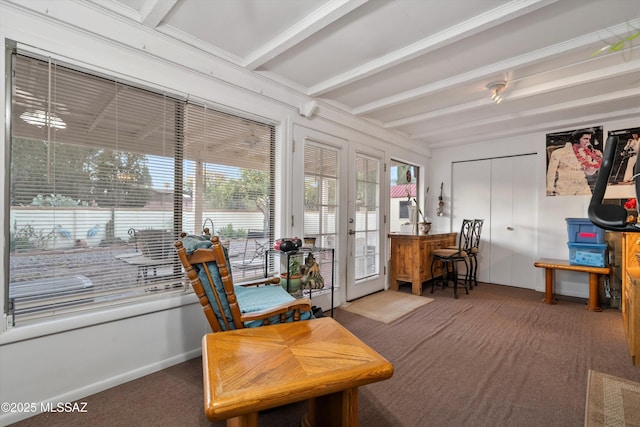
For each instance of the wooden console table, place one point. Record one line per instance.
(253, 369)
(558, 264)
(411, 257)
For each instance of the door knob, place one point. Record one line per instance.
(509, 228)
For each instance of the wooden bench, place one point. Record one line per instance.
(558, 264)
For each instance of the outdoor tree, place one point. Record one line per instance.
(44, 168)
(86, 175)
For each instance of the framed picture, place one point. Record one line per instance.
(574, 158)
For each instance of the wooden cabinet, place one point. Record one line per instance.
(411, 258)
(630, 293)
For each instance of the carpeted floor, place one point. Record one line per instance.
(612, 401)
(495, 357)
(386, 306)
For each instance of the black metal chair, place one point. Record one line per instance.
(474, 250)
(450, 257)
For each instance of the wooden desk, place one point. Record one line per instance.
(253, 369)
(411, 258)
(558, 264)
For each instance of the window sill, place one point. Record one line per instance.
(91, 318)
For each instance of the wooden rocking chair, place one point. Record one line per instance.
(228, 306)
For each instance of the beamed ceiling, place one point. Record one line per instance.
(421, 67)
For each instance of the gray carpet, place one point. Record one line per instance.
(495, 357)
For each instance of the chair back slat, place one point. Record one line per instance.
(217, 297)
(465, 237)
(477, 230)
(227, 281)
(198, 288)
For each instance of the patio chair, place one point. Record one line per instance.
(228, 306)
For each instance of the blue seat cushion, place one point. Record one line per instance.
(257, 298)
(193, 242)
(250, 298)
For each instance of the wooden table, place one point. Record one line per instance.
(411, 257)
(550, 264)
(253, 369)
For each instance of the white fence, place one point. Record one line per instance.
(68, 227)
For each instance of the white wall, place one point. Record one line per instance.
(77, 356)
(552, 211)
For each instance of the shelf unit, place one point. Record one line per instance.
(630, 293)
(325, 257)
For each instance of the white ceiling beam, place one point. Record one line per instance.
(153, 12)
(555, 108)
(326, 14)
(539, 127)
(528, 58)
(468, 28)
(558, 84)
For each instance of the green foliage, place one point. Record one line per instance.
(294, 265)
(56, 200)
(27, 238)
(618, 46)
(248, 192)
(229, 233)
(87, 175)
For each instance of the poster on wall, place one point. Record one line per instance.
(620, 185)
(626, 155)
(574, 158)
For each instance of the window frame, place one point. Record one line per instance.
(125, 308)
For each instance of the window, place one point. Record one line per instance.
(104, 177)
(404, 180)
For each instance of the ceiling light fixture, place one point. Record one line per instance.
(41, 118)
(496, 89)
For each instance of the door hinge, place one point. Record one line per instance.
(384, 218)
(293, 145)
(292, 221)
(385, 167)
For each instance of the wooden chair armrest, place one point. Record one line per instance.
(260, 281)
(302, 304)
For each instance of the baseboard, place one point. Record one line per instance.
(78, 394)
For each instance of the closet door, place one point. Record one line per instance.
(513, 221)
(471, 199)
(502, 191)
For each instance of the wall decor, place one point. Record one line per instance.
(574, 158)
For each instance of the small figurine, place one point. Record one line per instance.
(311, 277)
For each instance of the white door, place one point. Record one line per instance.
(501, 191)
(470, 199)
(513, 206)
(365, 226)
(318, 197)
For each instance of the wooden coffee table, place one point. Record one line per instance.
(253, 369)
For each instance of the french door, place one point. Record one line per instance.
(365, 224)
(339, 198)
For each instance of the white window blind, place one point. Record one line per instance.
(321, 184)
(104, 177)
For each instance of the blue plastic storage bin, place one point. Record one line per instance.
(592, 255)
(582, 230)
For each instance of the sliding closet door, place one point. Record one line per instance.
(513, 220)
(471, 199)
(502, 191)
